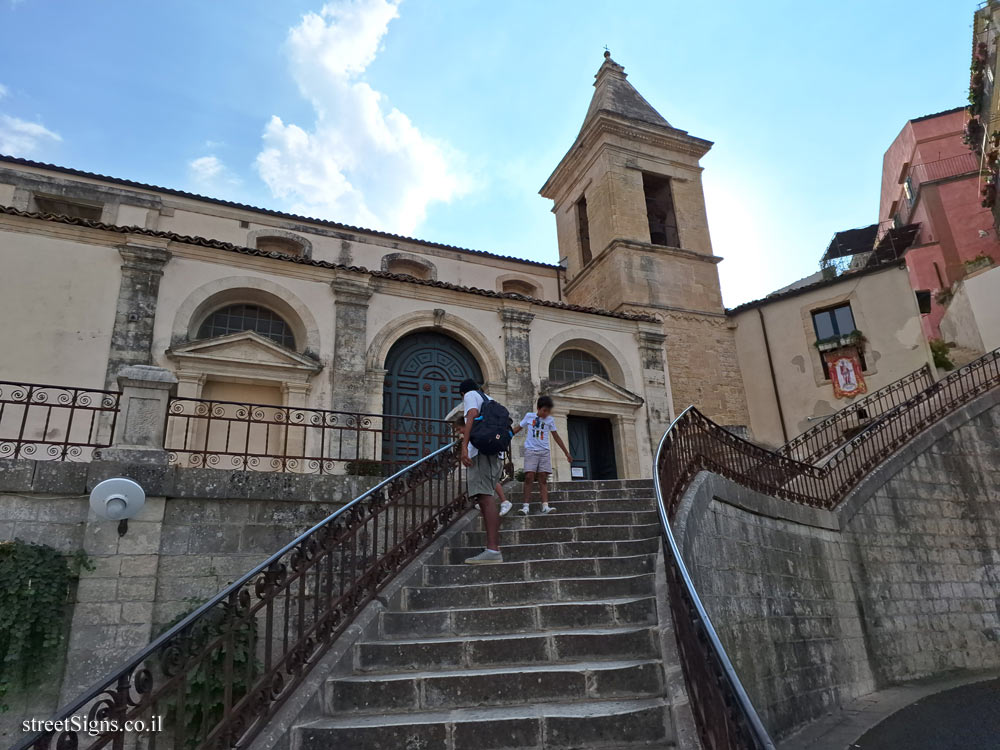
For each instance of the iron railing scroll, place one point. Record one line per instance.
(823, 437)
(693, 443)
(261, 437)
(220, 674)
(54, 422)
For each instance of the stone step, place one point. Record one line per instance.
(559, 550)
(531, 618)
(553, 726)
(648, 495)
(562, 519)
(509, 649)
(600, 484)
(526, 592)
(535, 570)
(564, 534)
(587, 506)
(493, 686)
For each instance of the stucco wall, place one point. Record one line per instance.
(900, 583)
(57, 296)
(884, 310)
(973, 316)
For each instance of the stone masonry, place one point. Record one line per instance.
(902, 582)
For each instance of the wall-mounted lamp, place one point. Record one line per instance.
(117, 499)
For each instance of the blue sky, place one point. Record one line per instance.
(442, 119)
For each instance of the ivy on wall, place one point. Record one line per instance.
(206, 643)
(35, 582)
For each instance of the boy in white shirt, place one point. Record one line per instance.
(538, 453)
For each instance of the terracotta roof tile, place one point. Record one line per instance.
(267, 211)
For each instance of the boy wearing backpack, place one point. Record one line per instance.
(538, 452)
(486, 435)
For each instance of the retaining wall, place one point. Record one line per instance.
(901, 582)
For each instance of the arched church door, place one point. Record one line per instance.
(424, 372)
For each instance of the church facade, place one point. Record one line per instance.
(250, 305)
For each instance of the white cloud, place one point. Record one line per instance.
(22, 138)
(363, 161)
(209, 173)
(3, 91)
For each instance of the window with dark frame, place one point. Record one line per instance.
(583, 230)
(835, 321)
(64, 207)
(660, 210)
(570, 365)
(244, 317)
(923, 300)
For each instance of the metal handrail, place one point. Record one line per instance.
(821, 439)
(132, 690)
(741, 722)
(693, 443)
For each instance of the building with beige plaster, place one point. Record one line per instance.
(250, 305)
(787, 385)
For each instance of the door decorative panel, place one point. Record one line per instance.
(424, 372)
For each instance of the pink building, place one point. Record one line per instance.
(931, 178)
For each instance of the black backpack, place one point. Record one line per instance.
(491, 431)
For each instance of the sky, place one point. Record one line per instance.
(441, 119)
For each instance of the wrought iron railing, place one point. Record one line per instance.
(261, 437)
(693, 443)
(823, 437)
(220, 674)
(54, 422)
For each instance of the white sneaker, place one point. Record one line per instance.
(505, 507)
(548, 509)
(524, 510)
(486, 557)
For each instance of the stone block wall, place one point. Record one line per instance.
(199, 530)
(902, 582)
(927, 557)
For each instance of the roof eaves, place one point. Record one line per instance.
(267, 211)
(229, 247)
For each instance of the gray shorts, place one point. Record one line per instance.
(484, 474)
(539, 462)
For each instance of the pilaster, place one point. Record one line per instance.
(351, 294)
(517, 353)
(656, 384)
(135, 312)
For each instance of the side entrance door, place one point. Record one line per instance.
(591, 441)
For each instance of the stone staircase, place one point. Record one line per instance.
(556, 647)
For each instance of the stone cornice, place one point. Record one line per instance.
(149, 257)
(669, 139)
(515, 318)
(644, 247)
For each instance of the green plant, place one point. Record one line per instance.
(519, 475)
(34, 595)
(853, 338)
(939, 350)
(205, 686)
(944, 296)
(981, 259)
(363, 467)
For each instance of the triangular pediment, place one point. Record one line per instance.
(246, 348)
(596, 388)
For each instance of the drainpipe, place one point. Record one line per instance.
(774, 380)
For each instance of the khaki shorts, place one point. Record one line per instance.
(484, 474)
(540, 462)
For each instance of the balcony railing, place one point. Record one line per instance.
(261, 437)
(54, 422)
(933, 171)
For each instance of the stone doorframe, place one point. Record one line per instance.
(597, 397)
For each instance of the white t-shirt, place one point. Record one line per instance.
(472, 400)
(538, 429)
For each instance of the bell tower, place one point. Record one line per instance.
(631, 223)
